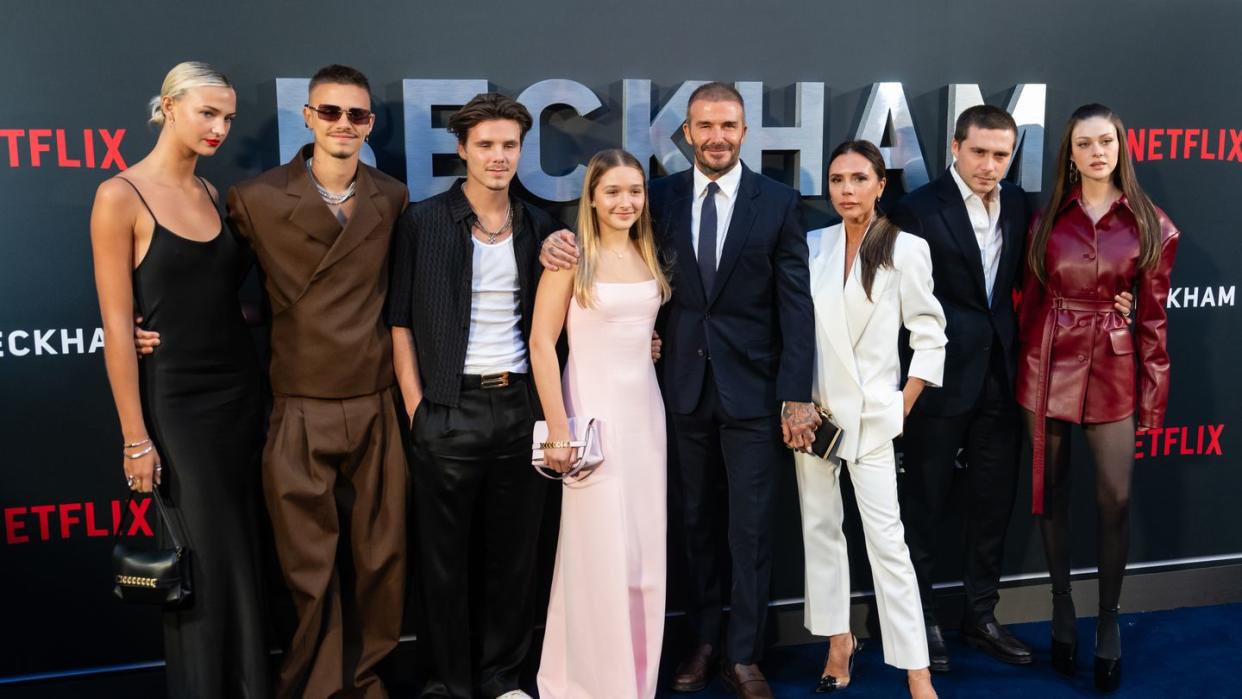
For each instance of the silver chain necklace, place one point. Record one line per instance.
(329, 197)
(491, 237)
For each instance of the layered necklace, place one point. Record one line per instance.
(493, 235)
(329, 197)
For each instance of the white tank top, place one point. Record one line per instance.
(496, 342)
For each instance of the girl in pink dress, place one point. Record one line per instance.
(606, 614)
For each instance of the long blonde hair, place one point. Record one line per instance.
(588, 229)
(182, 78)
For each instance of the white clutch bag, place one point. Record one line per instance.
(587, 455)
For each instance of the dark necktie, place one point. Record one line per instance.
(707, 238)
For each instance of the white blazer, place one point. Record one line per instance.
(857, 367)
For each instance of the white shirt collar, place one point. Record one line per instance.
(965, 189)
(729, 182)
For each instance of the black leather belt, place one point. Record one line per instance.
(500, 379)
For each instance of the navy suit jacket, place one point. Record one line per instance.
(756, 325)
(937, 213)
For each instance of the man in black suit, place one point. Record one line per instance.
(736, 373)
(975, 227)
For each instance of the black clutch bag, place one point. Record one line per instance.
(152, 576)
(827, 436)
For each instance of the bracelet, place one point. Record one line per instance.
(555, 445)
(138, 455)
(136, 444)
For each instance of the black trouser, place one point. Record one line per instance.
(715, 452)
(988, 436)
(471, 467)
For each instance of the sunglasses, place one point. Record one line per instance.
(331, 112)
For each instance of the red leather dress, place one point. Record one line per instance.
(1077, 360)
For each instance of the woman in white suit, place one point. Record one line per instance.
(868, 279)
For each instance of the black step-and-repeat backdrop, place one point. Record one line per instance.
(72, 113)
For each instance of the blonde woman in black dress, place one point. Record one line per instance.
(189, 412)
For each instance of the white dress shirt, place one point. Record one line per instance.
(985, 219)
(725, 197)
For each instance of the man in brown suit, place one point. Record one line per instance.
(334, 472)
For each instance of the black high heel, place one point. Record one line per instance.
(1064, 654)
(1065, 657)
(828, 683)
(1107, 674)
(1107, 670)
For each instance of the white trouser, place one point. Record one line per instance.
(827, 610)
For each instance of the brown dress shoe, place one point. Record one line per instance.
(691, 673)
(746, 681)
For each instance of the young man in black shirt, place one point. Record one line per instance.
(465, 266)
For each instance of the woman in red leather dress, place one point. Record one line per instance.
(1080, 363)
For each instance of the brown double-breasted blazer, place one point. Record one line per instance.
(326, 284)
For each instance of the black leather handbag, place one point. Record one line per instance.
(152, 576)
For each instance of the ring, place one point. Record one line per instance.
(129, 481)
(159, 467)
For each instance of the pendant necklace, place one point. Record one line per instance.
(492, 236)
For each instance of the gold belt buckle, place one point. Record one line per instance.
(498, 380)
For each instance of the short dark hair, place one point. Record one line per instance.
(339, 75)
(715, 92)
(488, 106)
(983, 116)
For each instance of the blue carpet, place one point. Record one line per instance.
(1180, 653)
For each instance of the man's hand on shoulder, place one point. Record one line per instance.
(559, 251)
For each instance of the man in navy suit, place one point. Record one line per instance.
(736, 374)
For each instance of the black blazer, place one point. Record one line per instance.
(937, 213)
(430, 292)
(756, 324)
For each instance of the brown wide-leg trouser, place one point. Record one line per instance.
(334, 478)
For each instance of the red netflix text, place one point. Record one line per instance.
(1200, 440)
(66, 148)
(23, 525)
(1185, 144)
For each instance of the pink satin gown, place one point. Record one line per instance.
(606, 614)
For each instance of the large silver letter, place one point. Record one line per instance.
(646, 137)
(805, 137)
(422, 142)
(291, 131)
(887, 103)
(1026, 104)
(537, 98)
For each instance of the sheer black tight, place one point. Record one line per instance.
(1112, 449)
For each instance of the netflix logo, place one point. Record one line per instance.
(1198, 440)
(69, 520)
(1185, 144)
(63, 148)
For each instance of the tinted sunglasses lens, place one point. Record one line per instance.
(359, 116)
(328, 112)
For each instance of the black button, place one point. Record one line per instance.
(987, 348)
(700, 353)
(708, 314)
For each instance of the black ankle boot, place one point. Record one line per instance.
(1064, 653)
